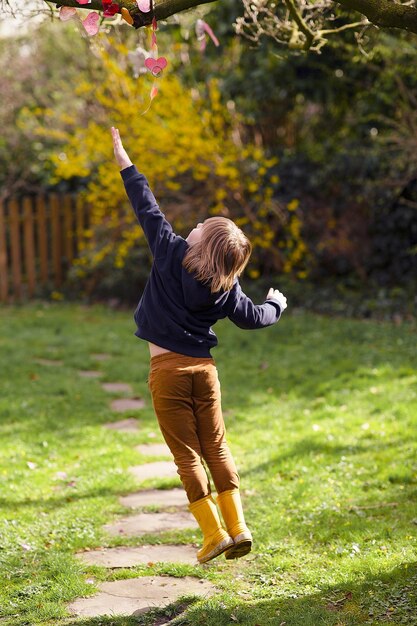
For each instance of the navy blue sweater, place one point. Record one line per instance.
(176, 311)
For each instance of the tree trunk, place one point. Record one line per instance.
(384, 13)
(162, 8)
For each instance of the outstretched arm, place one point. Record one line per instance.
(157, 229)
(250, 316)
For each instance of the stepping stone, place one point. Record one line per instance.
(100, 356)
(48, 362)
(154, 449)
(137, 595)
(129, 425)
(162, 498)
(159, 469)
(116, 387)
(150, 523)
(89, 374)
(129, 557)
(127, 404)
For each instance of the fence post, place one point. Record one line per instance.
(56, 240)
(42, 238)
(79, 220)
(4, 286)
(68, 234)
(14, 213)
(29, 244)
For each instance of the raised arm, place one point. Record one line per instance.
(249, 316)
(157, 229)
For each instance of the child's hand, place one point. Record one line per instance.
(120, 153)
(278, 296)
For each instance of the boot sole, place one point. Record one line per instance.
(239, 549)
(218, 550)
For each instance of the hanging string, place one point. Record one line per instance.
(154, 63)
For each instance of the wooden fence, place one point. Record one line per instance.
(39, 238)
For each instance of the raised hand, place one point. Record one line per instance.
(278, 296)
(120, 153)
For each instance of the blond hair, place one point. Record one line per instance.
(221, 254)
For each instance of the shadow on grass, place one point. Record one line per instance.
(10, 504)
(387, 598)
(304, 448)
(379, 508)
(312, 357)
(152, 617)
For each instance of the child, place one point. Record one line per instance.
(192, 284)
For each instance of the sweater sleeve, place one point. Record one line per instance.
(158, 231)
(249, 316)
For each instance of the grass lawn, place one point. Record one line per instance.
(322, 420)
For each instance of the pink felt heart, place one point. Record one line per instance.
(91, 24)
(156, 65)
(84, 1)
(144, 5)
(67, 13)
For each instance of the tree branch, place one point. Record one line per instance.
(339, 29)
(162, 9)
(385, 13)
(296, 16)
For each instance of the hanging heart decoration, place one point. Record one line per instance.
(154, 63)
(92, 24)
(155, 66)
(67, 13)
(145, 6)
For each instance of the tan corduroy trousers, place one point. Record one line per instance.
(186, 398)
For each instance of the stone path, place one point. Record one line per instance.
(127, 404)
(134, 596)
(160, 498)
(100, 356)
(150, 523)
(154, 449)
(90, 374)
(48, 362)
(159, 469)
(117, 387)
(147, 555)
(130, 425)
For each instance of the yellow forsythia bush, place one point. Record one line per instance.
(188, 146)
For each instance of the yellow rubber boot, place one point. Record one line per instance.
(232, 512)
(215, 538)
